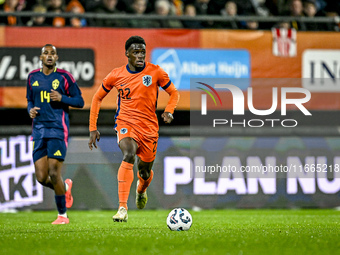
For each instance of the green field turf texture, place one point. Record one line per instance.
(238, 232)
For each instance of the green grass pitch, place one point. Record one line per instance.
(237, 232)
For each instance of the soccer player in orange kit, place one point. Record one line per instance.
(136, 122)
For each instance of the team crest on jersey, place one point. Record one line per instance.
(123, 131)
(55, 84)
(147, 80)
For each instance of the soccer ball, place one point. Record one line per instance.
(179, 219)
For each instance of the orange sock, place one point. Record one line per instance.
(125, 179)
(143, 184)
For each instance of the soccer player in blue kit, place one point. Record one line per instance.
(50, 92)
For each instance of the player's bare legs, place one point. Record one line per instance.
(54, 171)
(60, 188)
(41, 172)
(129, 147)
(48, 173)
(144, 168)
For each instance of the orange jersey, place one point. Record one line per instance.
(137, 97)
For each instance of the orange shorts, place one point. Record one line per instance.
(147, 146)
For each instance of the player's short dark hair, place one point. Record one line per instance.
(134, 39)
(48, 44)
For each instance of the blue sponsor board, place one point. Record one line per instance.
(183, 64)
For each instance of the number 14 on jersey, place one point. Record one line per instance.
(44, 95)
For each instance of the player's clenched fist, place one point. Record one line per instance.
(55, 95)
(167, 117)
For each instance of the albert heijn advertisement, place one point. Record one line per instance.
(183, 64)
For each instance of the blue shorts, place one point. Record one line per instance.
(53, 148)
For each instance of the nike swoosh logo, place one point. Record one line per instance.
(123, 84)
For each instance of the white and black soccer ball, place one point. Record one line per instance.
(179, 219)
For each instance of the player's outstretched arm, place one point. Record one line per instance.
(94, 138)
(94, 112)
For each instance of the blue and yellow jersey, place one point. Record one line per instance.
(52, 120)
